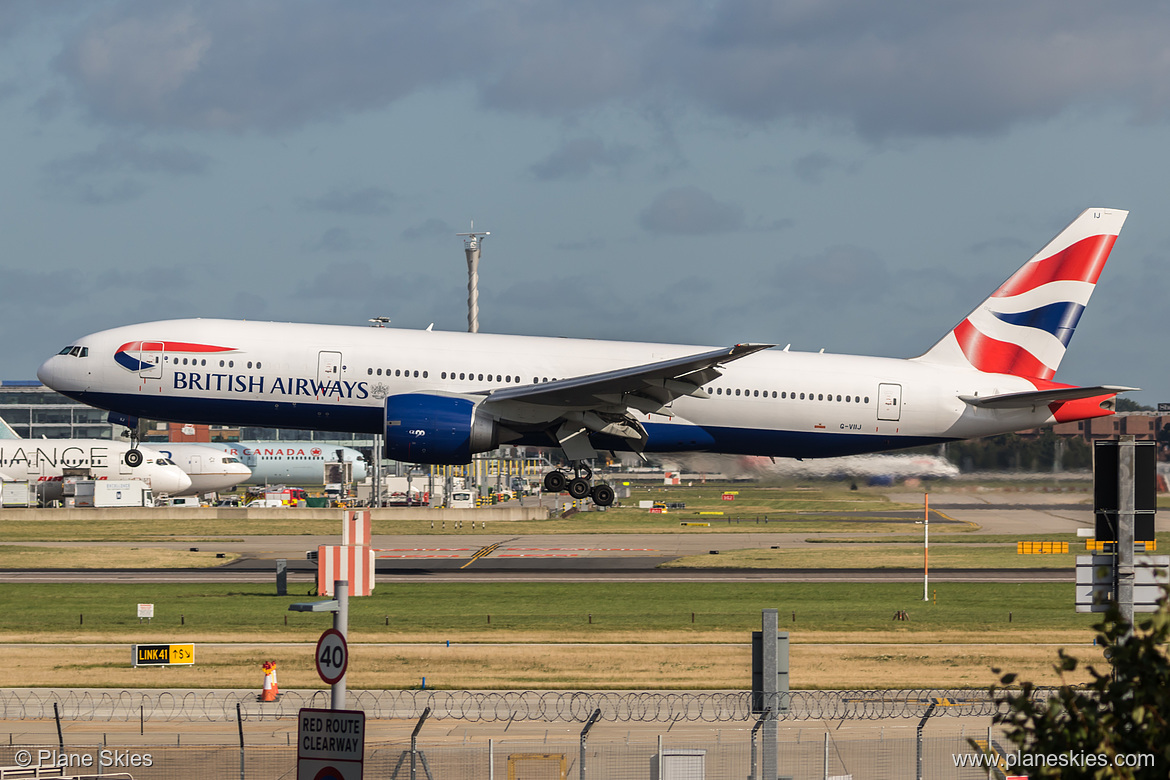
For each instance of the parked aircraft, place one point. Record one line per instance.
(442, 397)
(43, 461)
(209, 468)
(287, 462)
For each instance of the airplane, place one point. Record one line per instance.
(210, 468)
(279, 462)
(441, 397)
(43, 461)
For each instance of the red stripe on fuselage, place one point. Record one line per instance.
(1081, 262)
(173, 346)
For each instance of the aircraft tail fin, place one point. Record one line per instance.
(6, 431)
(1024, 328)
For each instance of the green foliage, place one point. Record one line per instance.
(1122, 712)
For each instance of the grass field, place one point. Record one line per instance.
(583, 635)
(651, 635)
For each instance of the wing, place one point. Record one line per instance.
(1041, 397)
(604, 402)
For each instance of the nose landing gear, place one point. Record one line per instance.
(579, 485)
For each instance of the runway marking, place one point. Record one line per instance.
(481, 553)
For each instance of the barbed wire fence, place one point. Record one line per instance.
(492, 706)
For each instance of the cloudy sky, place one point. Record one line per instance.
(836, 174)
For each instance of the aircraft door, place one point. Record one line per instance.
(124, 467)
(150, 358)
(889, 402)
(195, 464)
(328, 367)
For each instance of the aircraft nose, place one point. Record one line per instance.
(48, 373)
(180, 480)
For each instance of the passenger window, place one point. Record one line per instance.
(461, 375)
(820, 397)
(838, 398)
(802, 396)
(416, 375)
(424, 375)
(756, 393)
(867, 399)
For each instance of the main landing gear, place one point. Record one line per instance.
(578, 485)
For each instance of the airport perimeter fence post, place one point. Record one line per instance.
(414, 747)
(240, 726)
(584, 736)
(917, 740)
(755, 765)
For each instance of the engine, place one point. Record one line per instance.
(423, 428)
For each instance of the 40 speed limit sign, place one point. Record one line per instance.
(332, 656)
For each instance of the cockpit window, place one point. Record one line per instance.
(66, 350)
(230, 460)
(85, 351)
(75, 352)
(165, 462)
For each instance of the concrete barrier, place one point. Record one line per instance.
(495, 514)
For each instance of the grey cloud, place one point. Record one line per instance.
(579, 157)
(367, 202)
(113, 172)
(429, 230)
(128, 156)
(690, 211)
(339, 239)
(889, 69)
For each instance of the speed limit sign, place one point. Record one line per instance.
(332, 656)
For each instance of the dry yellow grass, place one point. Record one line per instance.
(30, 557)
(840, 664)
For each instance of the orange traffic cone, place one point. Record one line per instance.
(275, 687)
(269, 691)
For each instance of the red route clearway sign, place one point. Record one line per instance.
(331, 744)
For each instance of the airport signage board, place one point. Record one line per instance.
(1164, 407)
(1095, 582)
(331, 744)
(146, 611)
(163, 655)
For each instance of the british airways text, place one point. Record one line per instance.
(242, 383)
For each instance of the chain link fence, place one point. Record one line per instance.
(725, 759)
(491, 706)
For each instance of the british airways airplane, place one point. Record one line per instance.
(441, 397)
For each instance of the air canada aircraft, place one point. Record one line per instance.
(271, 462)
(441, 397)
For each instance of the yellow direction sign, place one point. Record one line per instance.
(163, 655)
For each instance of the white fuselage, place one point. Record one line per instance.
(323, 377)
(289, 462)
(210, 468)
(43, 461)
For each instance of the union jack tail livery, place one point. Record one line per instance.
(1025, 326)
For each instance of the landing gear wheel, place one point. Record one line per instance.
(602, 495)
(554, 482)
(578, 487)
(134, 458)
